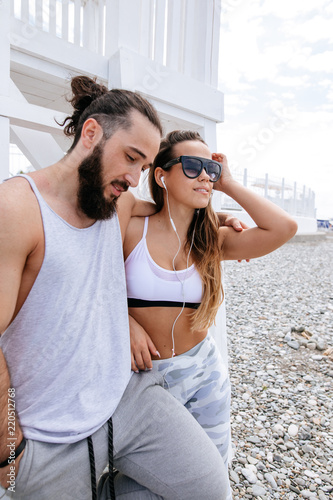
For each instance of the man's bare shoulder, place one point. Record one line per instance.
(19, 211)
(15, 193)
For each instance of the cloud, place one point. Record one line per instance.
(312, 30)
(322, 62)
(292, 81)
(235, 104)
(289, 10)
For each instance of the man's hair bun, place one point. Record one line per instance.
(85, 90)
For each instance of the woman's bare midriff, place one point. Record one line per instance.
(158, 322)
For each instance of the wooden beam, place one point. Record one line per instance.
(31, 116)
(4, 86)
(46, 48)
(29, 142)
(4, 148)
(159, 82)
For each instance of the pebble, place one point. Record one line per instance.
(249, 475)
(270, 479)
(258, 491)
(292, 430)
(282, 396)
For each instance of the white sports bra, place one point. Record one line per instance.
(149, 285)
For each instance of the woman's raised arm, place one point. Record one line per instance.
(274, 226)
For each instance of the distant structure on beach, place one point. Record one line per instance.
(325, 224)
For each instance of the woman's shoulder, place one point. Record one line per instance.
(133, 234)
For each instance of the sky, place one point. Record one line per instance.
(276, 72)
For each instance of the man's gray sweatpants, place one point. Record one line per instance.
(157, 443)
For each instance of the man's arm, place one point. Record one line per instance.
(16, 243)
(129, 206)
(10, 430)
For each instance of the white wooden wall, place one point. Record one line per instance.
(181, 34)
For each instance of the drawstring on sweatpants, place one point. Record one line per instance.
(110, 448)
(93, 467)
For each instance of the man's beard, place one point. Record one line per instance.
(91, 199)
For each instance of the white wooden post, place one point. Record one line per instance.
(295, 198)
(159, 31)
(245, 177)
(266, 185)
(216, 27)
(39, 14)
(53, 17)
(64, 20)
(314, 211)
(4, 86)
(304, 211)
(77, 22)
(101, 29)
(175, 34)
(90, 26)
(25, 10)
(122, 29)
(189, 37)
(219, 329)
(202, 42)
(146, 32)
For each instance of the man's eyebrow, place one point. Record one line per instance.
(140, 153)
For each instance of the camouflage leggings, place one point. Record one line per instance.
(199, 379)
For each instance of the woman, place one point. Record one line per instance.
(174, 276)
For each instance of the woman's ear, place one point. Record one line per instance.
(159, 177)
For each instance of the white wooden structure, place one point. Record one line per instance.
(166, 49)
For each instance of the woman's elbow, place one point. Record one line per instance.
(291, 228)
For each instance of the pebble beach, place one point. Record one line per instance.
(280, 340)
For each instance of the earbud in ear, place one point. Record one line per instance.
(162, 180)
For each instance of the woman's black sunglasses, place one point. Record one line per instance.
(193, 166)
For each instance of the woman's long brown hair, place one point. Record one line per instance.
(205, 250)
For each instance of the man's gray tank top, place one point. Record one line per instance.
(68, 350)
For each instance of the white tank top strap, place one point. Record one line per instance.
(145, 228)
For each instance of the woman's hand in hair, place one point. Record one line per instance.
(141, 347)
(225, 175)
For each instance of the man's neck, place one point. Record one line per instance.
(58, 184)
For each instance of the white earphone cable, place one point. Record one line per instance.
(176, 272)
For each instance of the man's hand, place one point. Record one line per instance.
(141, 347)
(10, 430)
(230, 220)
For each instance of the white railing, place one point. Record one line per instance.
(180, 34)
(296, 199)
